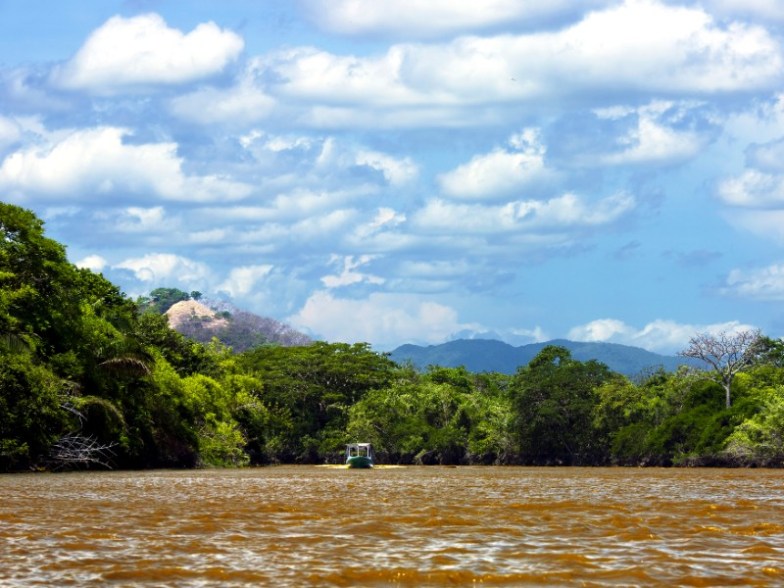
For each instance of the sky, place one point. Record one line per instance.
(402, 171)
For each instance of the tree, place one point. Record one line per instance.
(768, 352)
(726, 354)
(309, 391)
(554, 398)
(162, 299)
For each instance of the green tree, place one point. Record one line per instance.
(31, 416)
(759, 440)
(39, 300)
(162, 299)
(309, 390)
(554, 399)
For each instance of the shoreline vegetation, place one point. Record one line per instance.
(92, 379)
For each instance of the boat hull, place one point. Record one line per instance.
(359, 462)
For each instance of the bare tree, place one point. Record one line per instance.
(726, 353)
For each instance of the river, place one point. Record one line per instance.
(413, 526)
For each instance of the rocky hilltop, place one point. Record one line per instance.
(236, 328)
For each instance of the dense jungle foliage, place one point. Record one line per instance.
(90, 378)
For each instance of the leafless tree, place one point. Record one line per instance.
(75, 450)
(726, 353)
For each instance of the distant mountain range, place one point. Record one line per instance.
(487, 355)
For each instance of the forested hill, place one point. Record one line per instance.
(487, 355)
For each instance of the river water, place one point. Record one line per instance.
(415, 526)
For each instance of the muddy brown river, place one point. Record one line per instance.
(413, 526)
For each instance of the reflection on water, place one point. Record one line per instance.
(419, 526)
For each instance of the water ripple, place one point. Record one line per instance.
(301, 526)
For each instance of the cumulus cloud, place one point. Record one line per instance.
(653, 138)
(94, 263)
(166, 268)
(243, 280)
(501, 172)
(396, 171)
(135, 219)
(637, 46)
(765, 283)
(306, 72)
(412, 18)
(755, 196)
(386, 319)
(753, 189)
(564, 212)
(242, 104)
(96, 163)
(145, 51)
(322, 161)
(661, 336)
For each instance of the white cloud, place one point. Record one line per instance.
(653, 141)
(242, 104)
(136, 219)
(380, 231)
(326, 162)
(637, 46)
(765, 283)
(413, 18)
(756, 195)
(563, 212)
(348, 275)
(96, 163)
(601, 330)
(144, 51)
(243, 280)
(753, 189)
(385, 319)
(306, 72)
(332, 223)
(397, 171)
(524, 336)
(94, 263)
(761, 121)
(387, 217)
(166, 268)
(501, 172)
(660, 336)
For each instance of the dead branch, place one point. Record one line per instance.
(78, 450)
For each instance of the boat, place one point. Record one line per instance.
(360, 455)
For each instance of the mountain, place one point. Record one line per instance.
(487, 355)
(236, 328)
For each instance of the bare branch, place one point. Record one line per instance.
(77, 450)
(726, 353)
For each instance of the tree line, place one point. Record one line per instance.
(91, 378)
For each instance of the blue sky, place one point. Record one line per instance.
(406, 171)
